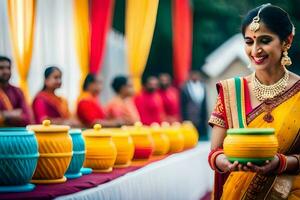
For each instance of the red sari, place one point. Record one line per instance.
(170, 99)
(89, 109)
(49, 106)
(150, 107)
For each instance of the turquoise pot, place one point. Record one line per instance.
(18, 159)
(78, 154)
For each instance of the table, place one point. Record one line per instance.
(182, 176)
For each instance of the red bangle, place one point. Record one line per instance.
(282, 163)
(212, 158)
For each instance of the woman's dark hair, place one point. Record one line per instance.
(89, 79)
(275, 18)
(48, 71)
(118, 82)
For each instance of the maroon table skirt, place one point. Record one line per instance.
(51, 191)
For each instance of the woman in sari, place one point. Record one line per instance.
(47, 105)
(268, 98)
(122, 105)
(89, 109)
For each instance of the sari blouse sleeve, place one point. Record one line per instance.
(218, 116)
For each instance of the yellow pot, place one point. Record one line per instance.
(250, 145)
(142, 140)
(55, 148)
(175, 136)
(101, 152)
(124, 145)
(190, 134)
(160, 139)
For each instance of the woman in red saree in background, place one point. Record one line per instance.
(47, 105)
(89, 109)
(122, 106)
(267, 98)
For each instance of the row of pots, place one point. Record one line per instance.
(44, 153)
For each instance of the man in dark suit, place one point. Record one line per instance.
(193, 103)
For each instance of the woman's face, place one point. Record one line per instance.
(95, 87)
(263, 48)
(54, 80)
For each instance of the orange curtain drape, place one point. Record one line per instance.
(139, 29)
(82, 36)
(21, 15)
(182, 39)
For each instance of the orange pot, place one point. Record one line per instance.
(101, 152)
(160, 139)
(55, 148)
(175, 136)
(142, 139)
(190, 134)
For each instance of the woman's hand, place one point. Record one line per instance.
(268, 168)
(223, 164)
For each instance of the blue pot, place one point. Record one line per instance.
(18, 159)
(78, 154)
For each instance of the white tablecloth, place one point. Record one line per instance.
(182, 176)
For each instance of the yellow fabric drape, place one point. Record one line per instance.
(21, 15)
(139, 28)
(82, 37)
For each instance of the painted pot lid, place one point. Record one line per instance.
(96, 131)
(138, 129)
(251, 131)
(48, 127)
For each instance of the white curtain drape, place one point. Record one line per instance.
(54, 45)
(5, 45)
(115, 63)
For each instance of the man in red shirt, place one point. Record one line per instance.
(170, 97)
(149, 102)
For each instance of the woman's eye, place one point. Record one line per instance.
(248, 42)
(265, 40)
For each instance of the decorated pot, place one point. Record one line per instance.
(160, 140)
(175, 136)
(101, 152)
(124, 145)
(55, 148)
(250, 145)
(190, 134)
(142, 140)
(18, 159)
(78, 154)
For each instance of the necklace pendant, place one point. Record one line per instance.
(268, 118)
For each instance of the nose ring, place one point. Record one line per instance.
(259, 50)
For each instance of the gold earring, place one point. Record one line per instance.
(286, 60)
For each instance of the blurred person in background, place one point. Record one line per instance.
(149, 102)
(48, 105)
(122, 105)
(89, 109)
(193, 103)
(170, 98)
(14, 111)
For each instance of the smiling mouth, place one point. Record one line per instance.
(259, 60)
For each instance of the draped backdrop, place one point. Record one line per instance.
(139, 28)
(76, 36)
(21, 19)
(182, 39)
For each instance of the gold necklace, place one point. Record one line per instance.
(264, 92)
